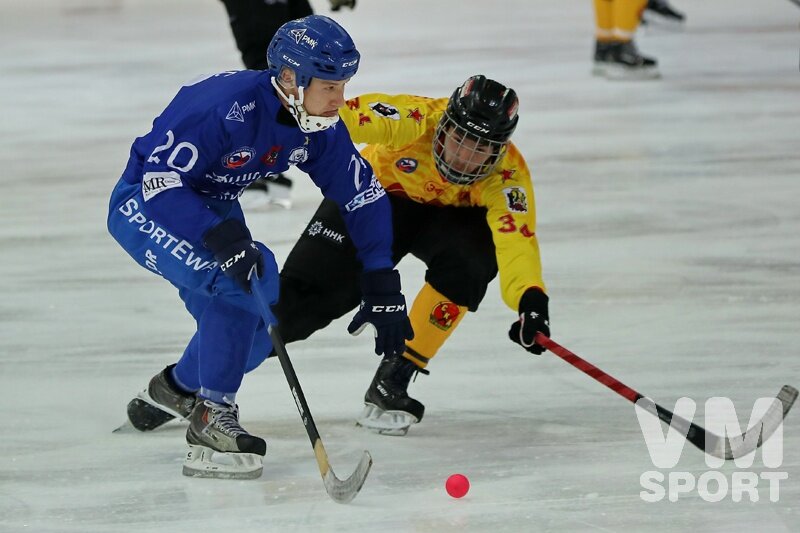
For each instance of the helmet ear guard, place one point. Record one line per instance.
(312, 47)
(479, 120)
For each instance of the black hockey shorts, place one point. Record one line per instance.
(320, 278)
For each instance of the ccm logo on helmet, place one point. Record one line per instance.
(477, 127)
(290, 60)
(388, 308)
(349, 63)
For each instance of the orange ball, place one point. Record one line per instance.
(457, 485)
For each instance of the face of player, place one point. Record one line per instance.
(323, 98)
(465, 154)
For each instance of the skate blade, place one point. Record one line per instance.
(207, 463)
(126, 427)
(281, 202)
(599, 70)
(658, 21)
(617, 73)
(144, 397)
(391, 423)
(259, 200)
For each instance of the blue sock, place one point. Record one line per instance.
(218, 397)
(178, 383)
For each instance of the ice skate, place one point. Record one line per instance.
(159, 403)
(219, 447)
(601, 57)
(388, 409)
(622, 61)
(659, 12)
(272, 190)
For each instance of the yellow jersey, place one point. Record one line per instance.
(398, 131)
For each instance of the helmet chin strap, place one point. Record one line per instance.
(308, 123)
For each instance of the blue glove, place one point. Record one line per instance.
(533, 318)
(383, 307)
(234, 250)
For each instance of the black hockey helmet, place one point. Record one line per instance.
(482, 113)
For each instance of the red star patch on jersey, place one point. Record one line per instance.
(507, 174)
(352, 103)
(363, 119)
(416, 115)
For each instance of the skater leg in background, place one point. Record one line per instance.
(254, 22)
(616, 56)
(661, 12)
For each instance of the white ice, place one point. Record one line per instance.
(670, 234)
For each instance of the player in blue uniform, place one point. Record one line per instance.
(175, 211)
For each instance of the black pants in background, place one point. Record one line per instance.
(254, 22)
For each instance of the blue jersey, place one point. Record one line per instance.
(220, 134)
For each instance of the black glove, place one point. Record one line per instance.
(384, 307)
(234, 249)
(533, 318)
(336, 5)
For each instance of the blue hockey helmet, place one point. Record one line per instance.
(313, 47)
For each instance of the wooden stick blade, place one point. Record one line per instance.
(343, 491)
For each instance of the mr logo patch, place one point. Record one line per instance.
(154, 183)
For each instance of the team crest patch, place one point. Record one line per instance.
(516, 200)
(298, 155)
(407, 164)
(385, 110)
(238, 158)
(444, 314)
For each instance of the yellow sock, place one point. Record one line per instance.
(627, 14)
(433, 318)
(604, 20)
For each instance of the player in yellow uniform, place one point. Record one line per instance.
(615, 54)
(462, 202)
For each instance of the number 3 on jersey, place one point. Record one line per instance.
(510, 226)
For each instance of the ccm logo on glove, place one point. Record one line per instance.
(383, 306)
(235, 252)
(235, 259)
(388, 308)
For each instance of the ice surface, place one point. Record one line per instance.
(670, 234)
